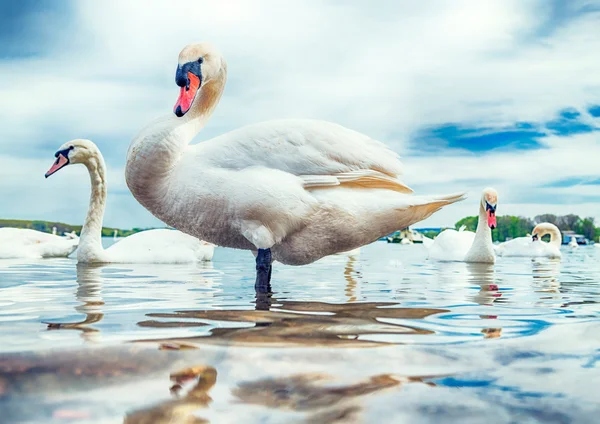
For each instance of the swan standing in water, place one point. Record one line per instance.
(534, 247)
(18, 243)
(291, 190)
(467, 246)
(152, 246)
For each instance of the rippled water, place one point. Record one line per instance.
(385, 336)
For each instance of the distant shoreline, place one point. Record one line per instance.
(61, 227)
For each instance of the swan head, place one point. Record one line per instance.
(489, 202)
(197, 65)
(74, 151)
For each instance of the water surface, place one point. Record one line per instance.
(384, 336)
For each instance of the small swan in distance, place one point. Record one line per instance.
(151, 246)
(573, 243)
(292, 190)
(534, 247)
(24, 243)
(467, 246)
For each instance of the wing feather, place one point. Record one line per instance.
(364, 178)
(313, 150)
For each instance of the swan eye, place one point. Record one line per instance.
(200, 60)
(71, 147)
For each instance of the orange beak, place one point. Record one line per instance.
(61, 162)
(491, 216)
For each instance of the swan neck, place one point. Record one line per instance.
(482, 249)
(555, 237)
(483, 229)
(90, 242)
(155, 152)
(207, 101)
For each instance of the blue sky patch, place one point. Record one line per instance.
(568, 123)
(594, 111)
(574, 181)
(26, 26)
(521, 136)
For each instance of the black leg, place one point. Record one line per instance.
(263, 271)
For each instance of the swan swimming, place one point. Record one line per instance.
(573, 243)
(17, 243)
(534, 247)
(151, 246)
(291, 190)
(467, 246)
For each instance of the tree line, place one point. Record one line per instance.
(518, 226)
(61, 228)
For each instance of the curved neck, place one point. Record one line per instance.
(157, 149)
(555, 236)
(90, 242)
(482, 249)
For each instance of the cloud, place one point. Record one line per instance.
(449, 85)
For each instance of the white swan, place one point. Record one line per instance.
(152, 246)
(573, 243)
(24, 243)
(534, 247)
(292, 190)
(467, 246)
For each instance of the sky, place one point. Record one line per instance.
(470, 93)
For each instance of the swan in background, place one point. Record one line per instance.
(573, 243)
(152, 246)
(534, 247)
(467, 246)
(24, 243)
(290, 190)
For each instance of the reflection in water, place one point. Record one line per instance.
(351, 276)
(180, 410)
(304, 323)
(309, 392)
(88, 293)
(546, 282)
(460, 275)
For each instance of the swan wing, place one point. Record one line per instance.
(27, 243)
(322, 154)
(427, 242)
(451, 245)
(159, 246)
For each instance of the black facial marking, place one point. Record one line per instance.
(181, 76)
(490, 208)
(64, 152)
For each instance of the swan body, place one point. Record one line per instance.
(534, 247)
(467, 246)
(303, 189)
(151, 246)
(31, 244)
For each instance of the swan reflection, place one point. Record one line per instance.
(295, 323)
(88, 294)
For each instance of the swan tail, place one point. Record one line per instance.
(425, 206)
